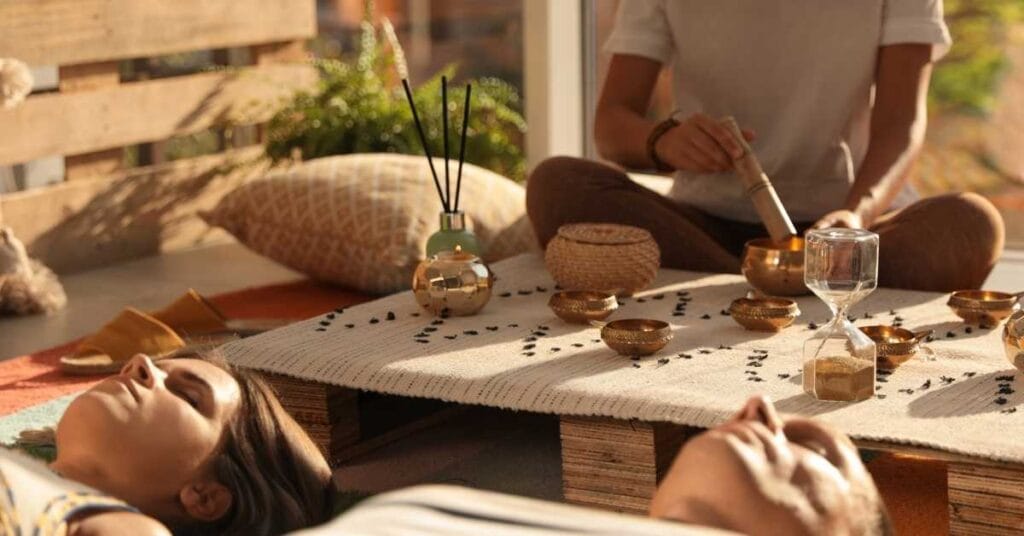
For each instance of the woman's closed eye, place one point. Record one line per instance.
(185, 395)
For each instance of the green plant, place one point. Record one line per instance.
(967, 78)
(360, 107)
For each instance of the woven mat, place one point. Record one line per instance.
(962, 399)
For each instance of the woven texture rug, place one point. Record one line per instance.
(516, 354)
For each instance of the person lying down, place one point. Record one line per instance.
(189, 446)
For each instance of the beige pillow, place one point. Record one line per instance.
(363, 220)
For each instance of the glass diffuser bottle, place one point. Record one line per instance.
(453, 232)
(841, 268)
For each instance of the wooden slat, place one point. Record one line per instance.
(985, 499)
(613, 464)
(61, 32)
(93, 222)
(56, 124)
(329, 414)
(87, 77)
(281, 52)
(959, 527)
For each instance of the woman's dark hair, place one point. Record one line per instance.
(278, 478)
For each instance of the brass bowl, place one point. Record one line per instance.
(894, 346)
(582, 306)
(636, 336)
(764, 314)
(1013, 339)
(775, 268)
(985, 307)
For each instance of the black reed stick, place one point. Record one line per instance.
(423, 140)
(444, 126)
(462, 149)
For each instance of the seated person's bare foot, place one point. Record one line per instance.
(762, 474)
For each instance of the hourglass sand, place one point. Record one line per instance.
(841, 268)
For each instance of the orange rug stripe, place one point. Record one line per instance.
(33, 379)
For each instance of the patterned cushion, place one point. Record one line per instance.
(363, 220)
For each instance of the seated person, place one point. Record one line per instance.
(185, 444)
(757, 474)
(832, 97)
(199, 448)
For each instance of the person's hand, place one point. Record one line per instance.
(700, 144)
(840, 218)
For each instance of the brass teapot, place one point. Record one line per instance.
(1013, 336)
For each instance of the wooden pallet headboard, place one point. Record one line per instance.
(104, 212)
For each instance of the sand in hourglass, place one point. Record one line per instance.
(840, 378)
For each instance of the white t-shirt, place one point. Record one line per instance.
(799, 73)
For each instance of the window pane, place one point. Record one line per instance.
(480, 39)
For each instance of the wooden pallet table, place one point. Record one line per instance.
(960, 397)
(345, 423)
(615, 464)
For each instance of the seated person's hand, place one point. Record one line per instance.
(700, 144)
(840, 218)
(760, 474)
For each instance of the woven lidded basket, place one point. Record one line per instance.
(606, 257)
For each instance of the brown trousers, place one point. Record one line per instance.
(942, 243)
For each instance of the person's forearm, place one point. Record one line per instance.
(621, 136)
(895, 145)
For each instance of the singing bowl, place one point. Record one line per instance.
(985, 307)
(775, 268)
(582, 306)
(636, 336)
(764, 314)
(893, 345)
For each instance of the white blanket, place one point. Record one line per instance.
(516, 354)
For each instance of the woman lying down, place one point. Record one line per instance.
(188, 446)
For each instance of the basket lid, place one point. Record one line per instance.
(604, 233)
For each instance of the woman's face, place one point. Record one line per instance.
(760, 474)
(146, 433)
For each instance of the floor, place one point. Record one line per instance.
(96, 296)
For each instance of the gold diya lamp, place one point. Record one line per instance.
(453, 282)
(894, 346)
(776, 268)
(635, 336)
(764, 314)
(984, 307)
(1013, 337)
(582, 306)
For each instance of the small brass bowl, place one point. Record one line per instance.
(775, 268)
(764, 314)
(985, 307)
(582, 306)
(636, 336)
(894, 346)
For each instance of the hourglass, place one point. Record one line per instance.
(841, 268)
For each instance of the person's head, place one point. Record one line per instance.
(198, 445)
(761, 474)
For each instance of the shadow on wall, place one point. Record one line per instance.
(131, 216)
